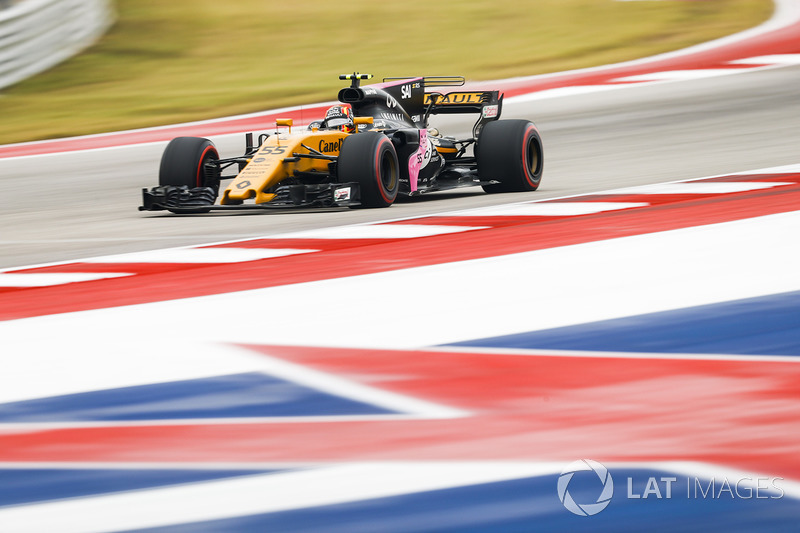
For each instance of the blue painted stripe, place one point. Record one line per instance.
(525, 505)
(37, 485)
(232, 396)
(768, 325)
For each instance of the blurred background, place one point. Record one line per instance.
(137, 63)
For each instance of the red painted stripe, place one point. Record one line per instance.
(355, 258)
(523, 408)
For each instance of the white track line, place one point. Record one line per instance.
(548, 209)
(199, 255)
(681, 75)
(778, 59)
(711, 187)
(376, 231)
(46, 280)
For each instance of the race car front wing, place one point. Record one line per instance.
(202, 199)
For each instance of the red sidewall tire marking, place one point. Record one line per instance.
(199, 180)
(525, 165)
(378, 162)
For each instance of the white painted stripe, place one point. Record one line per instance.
(524, 352)
(40, 426)
(376, 231)
(777, 59)
(198, 255)
(678, 75)
(138, 359)
(783, 169)
(258, 494)
(10, 279)
(560, 92)
(700, 187)
(547, 209)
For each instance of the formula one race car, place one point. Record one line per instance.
(368, 149)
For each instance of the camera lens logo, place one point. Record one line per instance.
(585, 508)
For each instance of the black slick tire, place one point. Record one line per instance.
(510, 152)
(370, 160)
(184, 163)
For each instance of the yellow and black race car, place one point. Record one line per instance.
(372, 146)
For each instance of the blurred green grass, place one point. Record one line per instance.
(173, 61)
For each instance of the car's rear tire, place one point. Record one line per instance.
(185, 163)
(370, 160)
(510, 152)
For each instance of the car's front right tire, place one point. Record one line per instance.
(370, 160)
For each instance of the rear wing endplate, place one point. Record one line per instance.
(488, 104)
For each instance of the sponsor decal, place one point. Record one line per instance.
(397, 117)
(339, 112)
(428, 151)
(490, 111)
(341, 194)
(330, 147)
(456, 98)
(405, 92)
(415, 162)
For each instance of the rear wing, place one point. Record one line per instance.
(489, 104)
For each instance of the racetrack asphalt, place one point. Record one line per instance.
(73, 205)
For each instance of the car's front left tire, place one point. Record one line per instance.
(186, 162)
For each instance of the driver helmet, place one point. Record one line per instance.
(340, 117)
